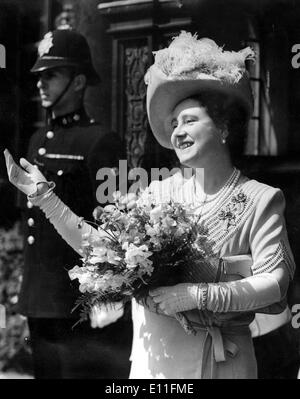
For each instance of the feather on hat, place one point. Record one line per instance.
(187, 67)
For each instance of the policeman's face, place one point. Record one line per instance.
(51, 83)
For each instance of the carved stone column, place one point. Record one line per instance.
(136, 63)
(136, 27)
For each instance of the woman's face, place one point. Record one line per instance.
(195, 138)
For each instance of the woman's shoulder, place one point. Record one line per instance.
(260, 192)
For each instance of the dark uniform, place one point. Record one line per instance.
(68, 152)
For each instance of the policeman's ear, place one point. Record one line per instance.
(80, 82)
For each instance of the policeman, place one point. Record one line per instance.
(69, 150)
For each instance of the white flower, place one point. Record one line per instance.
(146, 199)
(150, 231)
(180, 231)
(98, 255)
(135, 255)
(116, 195)
(127, 201)
(168, 222)
(86, 287)
(156, 213)
(146, 266)
(85, 276)
(117, 281)
(109, 208)
(103, 282)
(76, 272)
(98, 211)
(113, 257)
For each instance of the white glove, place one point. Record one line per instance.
(105, 314)
(251, 293)
(177, 298)
(25, 179)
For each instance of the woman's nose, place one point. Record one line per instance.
(179, 131)
(177, 134)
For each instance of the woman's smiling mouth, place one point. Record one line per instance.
(183, 146)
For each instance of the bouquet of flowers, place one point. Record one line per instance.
(140, 245)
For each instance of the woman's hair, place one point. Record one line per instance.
(227, 114)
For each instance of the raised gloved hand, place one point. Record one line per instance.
(26, 178)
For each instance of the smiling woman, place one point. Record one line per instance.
(243, 221)
(207, 120)
(199, 102)
(195, 135)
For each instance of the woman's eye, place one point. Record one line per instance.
(189, 121)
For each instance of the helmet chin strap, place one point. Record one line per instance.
(58, 98)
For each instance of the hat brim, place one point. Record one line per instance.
(43, 64)
(164, 94)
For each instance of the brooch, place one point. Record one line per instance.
(45, 44)
(234, 208)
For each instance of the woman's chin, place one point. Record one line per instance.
(187, 160)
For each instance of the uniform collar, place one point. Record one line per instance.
(72, 118)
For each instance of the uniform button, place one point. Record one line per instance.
(42, 151)
(29, 204)
(30, 222)
(50, 135)
(30, 240)
(64, 121)
(92, 120)
(76, 117)
(60, 172)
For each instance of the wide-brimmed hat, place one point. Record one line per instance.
(65, 48)
(190, 66)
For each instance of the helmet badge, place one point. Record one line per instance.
(45, 44)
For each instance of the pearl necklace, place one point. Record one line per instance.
(230, 184)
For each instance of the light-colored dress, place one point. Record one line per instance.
(245, 217)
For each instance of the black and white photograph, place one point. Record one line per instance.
(149, 192)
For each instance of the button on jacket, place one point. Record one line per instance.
(69, 154)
